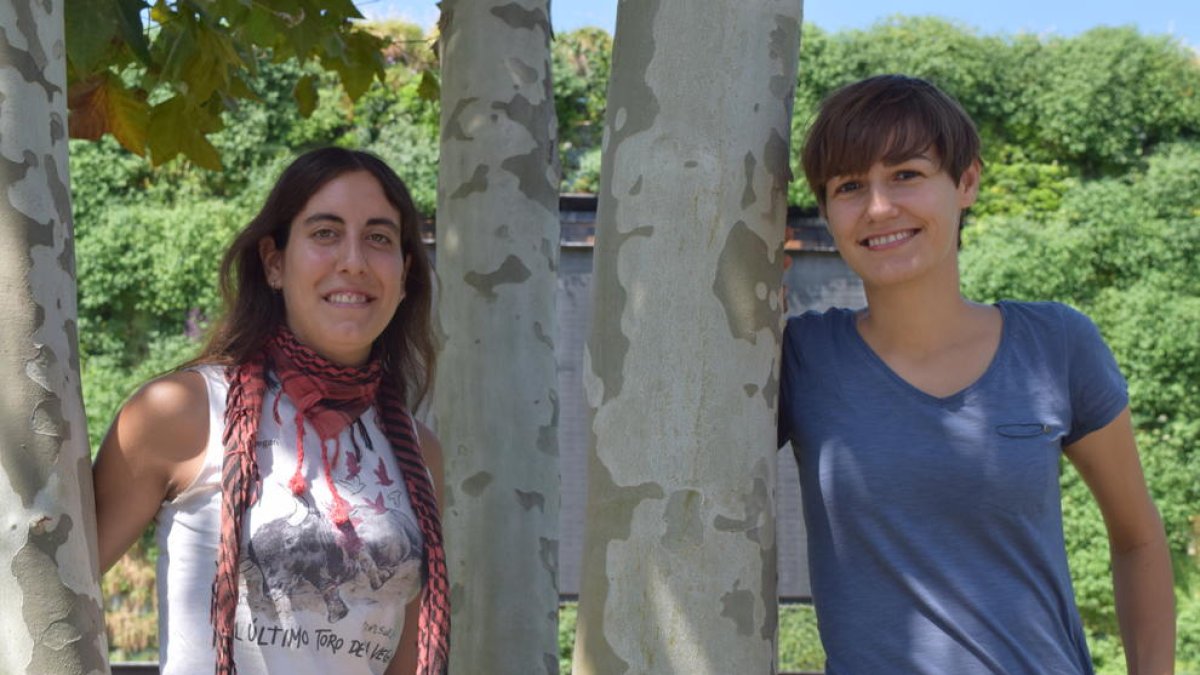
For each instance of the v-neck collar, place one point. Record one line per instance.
(952, 400)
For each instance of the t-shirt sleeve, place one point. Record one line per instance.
(1098, 390)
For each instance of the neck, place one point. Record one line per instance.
(918, 317)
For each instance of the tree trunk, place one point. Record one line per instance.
(496, 403)
(679, 562)
(51, 621)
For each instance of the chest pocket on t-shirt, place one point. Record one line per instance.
(1024, 467)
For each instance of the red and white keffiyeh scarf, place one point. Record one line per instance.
(328, 397)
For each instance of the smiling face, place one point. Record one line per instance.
(898, 221)
(342, 271)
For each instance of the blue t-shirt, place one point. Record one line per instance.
(935, 524)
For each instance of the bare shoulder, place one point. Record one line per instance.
(163, 428)
(154, 447)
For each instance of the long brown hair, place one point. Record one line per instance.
(253, 310)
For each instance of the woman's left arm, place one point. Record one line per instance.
(1143, 585)
(405, 660)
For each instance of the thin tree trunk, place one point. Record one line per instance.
(496, 403)
(679, 562)
(50, 620)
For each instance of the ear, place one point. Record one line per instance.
(272, 260)
(968, 185)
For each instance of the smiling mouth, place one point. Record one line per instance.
(887, 240)
(345, 298)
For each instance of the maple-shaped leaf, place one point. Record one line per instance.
(353, 468)
(103, 104)
(177, 127)
(381, 473)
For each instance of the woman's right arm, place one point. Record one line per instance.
(154, 448)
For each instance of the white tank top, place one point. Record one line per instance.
(311, 599)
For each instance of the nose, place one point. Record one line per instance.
(880, 205)
(351, 256)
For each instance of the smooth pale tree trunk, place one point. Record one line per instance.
(679, 571)
(50, 618)
(496, 403)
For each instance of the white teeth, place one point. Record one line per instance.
(346, 298)
(889, 238)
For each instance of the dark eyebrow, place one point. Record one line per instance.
(333, 217)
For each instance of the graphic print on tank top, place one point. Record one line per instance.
(308, 581)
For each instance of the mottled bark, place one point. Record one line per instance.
(496, 404)
(51, 621)
(679, 561)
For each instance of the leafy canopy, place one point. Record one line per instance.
(158, 76)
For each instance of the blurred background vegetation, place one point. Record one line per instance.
(1091, 196)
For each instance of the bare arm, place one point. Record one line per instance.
(405, 661)
(1143, 586)
(153, 449)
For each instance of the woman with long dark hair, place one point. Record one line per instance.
(295, 495)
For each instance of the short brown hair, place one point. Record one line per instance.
(890, 118)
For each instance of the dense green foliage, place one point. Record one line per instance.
(1091, 196)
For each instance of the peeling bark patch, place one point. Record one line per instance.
(775, 159)
(454, 127)
(617, 503)
(48, 420)
(633, 108)
(547, 441)
(476, 484)
(548, 554)
(550, 661)
(784, 46)
(691, 164)
(523, 73)
(60, 619)
(608, 345)
(756, 509)
(529, 500)
(503, 233)
(637, 187)
(511, 271)
(751, 390)
(62, 200)
(30, 63)
(738, 606)
(550, 253)
(57, 128)
(539, 332)
(530, 168)
(741, 267)
(684, 527)
(518, 17)
(477, 183)
(748, 196)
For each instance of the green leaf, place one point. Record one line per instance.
(177, 127)
(90, 32)
(430, 89)
(306, 95)
(129, 23)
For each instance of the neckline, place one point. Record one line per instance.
(950, 400)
